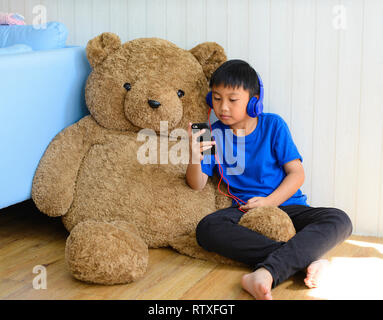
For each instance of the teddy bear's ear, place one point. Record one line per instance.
(210, 55)
(101, 46)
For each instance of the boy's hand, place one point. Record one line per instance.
(196, 148)
(255, 202)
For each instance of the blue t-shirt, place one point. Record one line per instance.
(258, 169)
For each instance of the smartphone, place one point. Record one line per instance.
(206, 136)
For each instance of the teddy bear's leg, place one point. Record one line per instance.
(106, 252)
(272, 222)
(187, 244)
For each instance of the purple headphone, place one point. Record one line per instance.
(254, 106)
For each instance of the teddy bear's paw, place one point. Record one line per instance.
(106, 252)
(272, 222)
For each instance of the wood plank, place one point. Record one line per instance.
(31, 238)
(222, 283)
(177, 275)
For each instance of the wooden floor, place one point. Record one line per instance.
(29, 238)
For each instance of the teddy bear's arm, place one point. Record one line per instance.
(55, 178)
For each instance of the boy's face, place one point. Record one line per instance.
(230, 104)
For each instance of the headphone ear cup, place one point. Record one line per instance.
(251, 107)
(209, 99)
(259, 107)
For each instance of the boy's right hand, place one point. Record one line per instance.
(196, 148)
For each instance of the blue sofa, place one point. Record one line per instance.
(41, 93)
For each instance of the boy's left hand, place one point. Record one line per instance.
(255, 202)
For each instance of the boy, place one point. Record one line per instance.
(272, 176)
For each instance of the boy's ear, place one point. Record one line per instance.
(210, 55)
(101, 46)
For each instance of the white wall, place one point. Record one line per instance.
(322, 74)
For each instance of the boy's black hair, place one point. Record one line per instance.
(236, 73)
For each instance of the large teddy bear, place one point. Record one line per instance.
(117, 176)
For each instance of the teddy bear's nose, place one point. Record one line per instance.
(154, 103)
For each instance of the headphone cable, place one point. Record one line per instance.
(221, 173)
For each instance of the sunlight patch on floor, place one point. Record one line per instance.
(349, 278)
(377, 246)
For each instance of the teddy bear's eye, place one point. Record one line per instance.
(127, 86)
(180, 93)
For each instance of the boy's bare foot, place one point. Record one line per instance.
(258, 284)
(314, 271)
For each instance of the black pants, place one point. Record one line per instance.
(318, 230)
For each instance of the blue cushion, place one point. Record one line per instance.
(41, 93)
(15, 49)
(52, 37)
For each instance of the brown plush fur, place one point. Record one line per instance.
(114, 206)
(121, 255)
(270, 221)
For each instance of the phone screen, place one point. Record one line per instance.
(206, 136)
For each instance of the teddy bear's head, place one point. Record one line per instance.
(145, 81)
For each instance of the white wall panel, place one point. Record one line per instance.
(136, 19)
(30, 17)
(325, 85)
(347, 111)
(16, 6)
(176, 22)
(238, 29)
(259, 43)
(216, 22)
(83, 21)
(118, 18)
(156, 18)
(4, 6)
(280, 58)
(370, 121)
(52, 8)
(195, 23)
(100, 17)
(302, 88)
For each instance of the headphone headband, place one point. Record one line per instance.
(254, 106)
